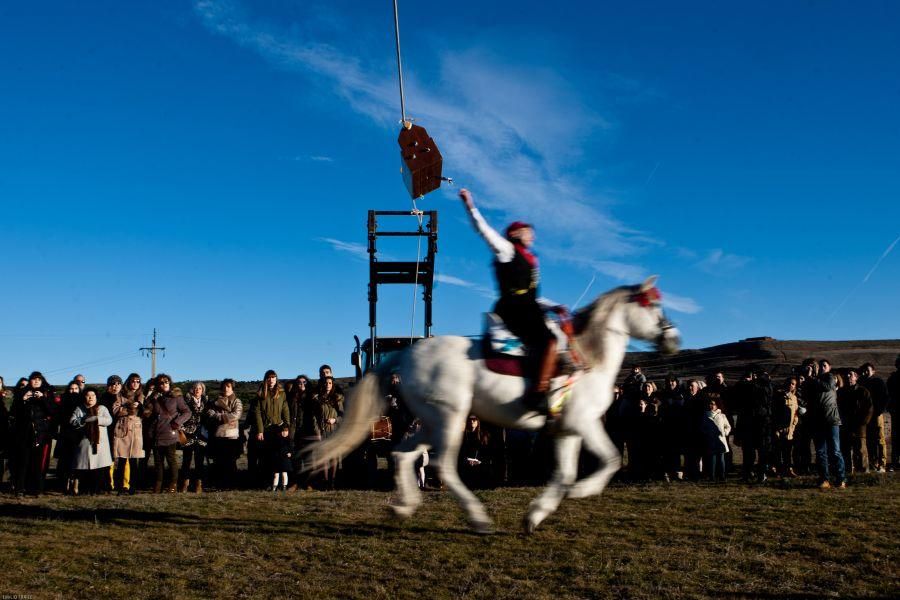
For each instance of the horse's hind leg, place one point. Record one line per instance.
(446, 444)
(597, 442)
(405, 456)
(567, 448)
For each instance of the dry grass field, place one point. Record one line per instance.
(785, 540)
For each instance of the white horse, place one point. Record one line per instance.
(445, 380)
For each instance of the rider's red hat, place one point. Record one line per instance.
(517, 225)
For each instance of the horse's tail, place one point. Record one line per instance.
(365, 403)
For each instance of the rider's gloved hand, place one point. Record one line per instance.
(466, 196)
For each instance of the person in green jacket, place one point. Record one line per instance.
(270, 412)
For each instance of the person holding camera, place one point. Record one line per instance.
(33, 413)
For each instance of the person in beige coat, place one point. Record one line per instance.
(786, 419)
(128, 440)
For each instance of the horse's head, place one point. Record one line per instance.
(645, 319)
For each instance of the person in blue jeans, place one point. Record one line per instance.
(826, 424)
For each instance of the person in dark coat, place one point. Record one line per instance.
(752, 399)
(108, 400)
(297, 394)
(875, 437)
(693, 417)
(673, 414)
(809, 391)
(33, 413)
(893, 386)
(283, 460)
(476, 456)
(170, 413)
(68, 437)
(4, 428)
(855, 408)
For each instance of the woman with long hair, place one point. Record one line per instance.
(330, 405)
(270, 412)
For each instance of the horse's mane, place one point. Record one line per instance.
(590, 322)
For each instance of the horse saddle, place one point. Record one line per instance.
(506, 354)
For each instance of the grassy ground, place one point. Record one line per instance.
(674, 541)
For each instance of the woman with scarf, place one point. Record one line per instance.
(194, 450)
(517, 271)
(92, 458)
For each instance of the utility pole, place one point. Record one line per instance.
(151, 352)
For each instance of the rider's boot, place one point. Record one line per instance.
(536, 398)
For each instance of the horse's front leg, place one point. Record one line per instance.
(567, 448)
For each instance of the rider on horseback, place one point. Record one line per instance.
(516, 269)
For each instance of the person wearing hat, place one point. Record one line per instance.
(517, 271)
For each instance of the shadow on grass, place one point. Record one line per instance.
(312, 527)
(105, 515)
(791, 595)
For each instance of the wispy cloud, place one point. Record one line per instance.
(361, 252)
(680, 304)
(307, 158)
(718, 261)
(358, 251)
(511, 131)
(451, 280)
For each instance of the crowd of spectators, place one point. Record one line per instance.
(819, 420)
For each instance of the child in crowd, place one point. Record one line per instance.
(92, 458)
(715, 429)
(282, 462)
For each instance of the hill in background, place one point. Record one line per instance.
(777, 357)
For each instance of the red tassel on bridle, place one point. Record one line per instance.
(647, 298)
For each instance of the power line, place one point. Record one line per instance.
(97, 362)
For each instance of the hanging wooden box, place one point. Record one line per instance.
(421, 161)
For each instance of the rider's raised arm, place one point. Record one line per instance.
(501, 247)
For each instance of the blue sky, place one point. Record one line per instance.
(205, 168)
